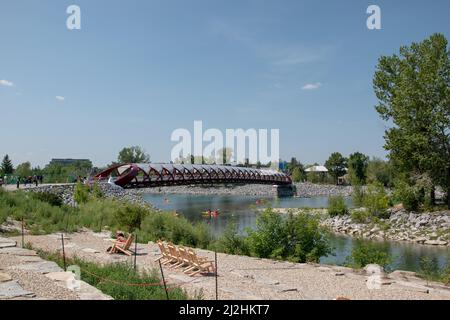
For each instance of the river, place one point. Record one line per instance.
(243, 210)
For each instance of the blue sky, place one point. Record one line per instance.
(137, 70)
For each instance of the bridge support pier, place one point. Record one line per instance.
(285, 190)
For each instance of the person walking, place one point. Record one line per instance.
(18, 182)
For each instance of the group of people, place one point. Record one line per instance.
(29, 181)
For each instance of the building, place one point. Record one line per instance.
(69, 161)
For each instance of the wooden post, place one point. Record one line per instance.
(163, 279)
(64, 253)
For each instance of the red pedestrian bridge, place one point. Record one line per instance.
(134, 175)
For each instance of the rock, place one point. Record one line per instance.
(41, 267)
(89, 250)
(371, 269)
(436, 242)
(420, 240)
(12, 289)
(7, 243)
(4, 277)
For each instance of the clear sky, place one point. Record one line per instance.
(137, 70)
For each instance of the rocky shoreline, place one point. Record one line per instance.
(431, 228)
(303, 190)
(425, 228)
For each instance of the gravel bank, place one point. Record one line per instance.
(250, 278)
(304, 190)
(432, 228)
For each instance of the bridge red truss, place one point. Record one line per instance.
(133, 175)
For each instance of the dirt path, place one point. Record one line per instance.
(250, 278)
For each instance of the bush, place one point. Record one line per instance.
(428, 269)
(376, 200)
(364, 253)
(408, 195)
(298, 238)
(50, 198)
(306, 240)
(81, 193)
(179, 230)
(361, 216)
(268, 236)
(96, 191)
(337, 206)
(131, 216)
(358, 196)
(231, 242)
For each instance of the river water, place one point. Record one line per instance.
(244, 210)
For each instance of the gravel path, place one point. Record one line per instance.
(250, 278)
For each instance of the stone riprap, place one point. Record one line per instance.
(425, 228)
(304, 190)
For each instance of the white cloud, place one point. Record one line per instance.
(312, 86)
(6, 83)
(60, 98)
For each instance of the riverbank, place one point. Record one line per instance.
(241, 277)
(431, 228)
(304, 190)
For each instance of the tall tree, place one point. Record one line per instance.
(133, 154)
(24, 169)
(413, 89)
(336, 165)
(7, 166)
(357, 167)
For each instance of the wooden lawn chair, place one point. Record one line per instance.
(123, 247)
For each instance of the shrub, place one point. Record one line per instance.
(131, 216)
(96, 191)
(361, 216)
(50, 198)
(376, 200)
(81, 193)
(298, 238)
(408, 195)
(268, 236)
(158, 225)
(337, 206)
(358, 196)
(305, 240)
(429, 269)
(231, 242)
(364, 253)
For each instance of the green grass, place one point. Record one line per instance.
(120, 280)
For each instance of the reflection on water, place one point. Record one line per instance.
(242, 210)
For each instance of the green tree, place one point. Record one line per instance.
(413, 92)
(381, 171)
(133, 154)
(364, 253)
(81, 193)
(336, 165)
(298, 174)
(6, 167)
(24, 169)
(357, 167)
